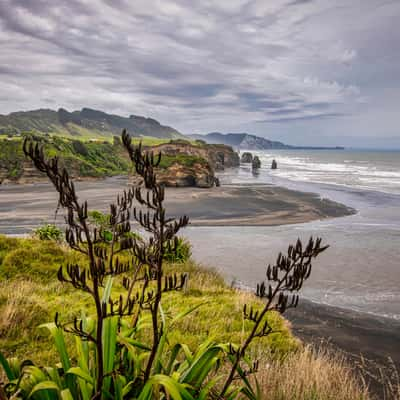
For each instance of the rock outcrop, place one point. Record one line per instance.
(246, 158)
(199, 175)
(219, 156)
(197, 165)
(256, 163)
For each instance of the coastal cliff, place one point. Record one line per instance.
(183, 163)
(193, 164)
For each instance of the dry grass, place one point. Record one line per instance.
(311, 374)
(385, 376)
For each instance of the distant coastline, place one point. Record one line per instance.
(246, 141)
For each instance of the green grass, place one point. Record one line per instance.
(100, 159)
(181, 159)
(30, 294)
(148, 141)
(93, 158)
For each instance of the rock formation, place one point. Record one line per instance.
(219, 156)
(256, 163)
(178, 175)
(246, 158)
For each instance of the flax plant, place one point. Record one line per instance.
(122, 351)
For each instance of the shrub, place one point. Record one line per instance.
(99, 219)
(180, 252)
(80, 148)
(49, 232)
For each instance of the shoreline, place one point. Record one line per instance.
(354, 332)
(251, 205)
(228, 205)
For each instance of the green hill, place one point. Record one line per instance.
(86, 123)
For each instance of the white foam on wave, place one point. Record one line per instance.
(362, 173)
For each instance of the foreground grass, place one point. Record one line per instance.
(30, 295)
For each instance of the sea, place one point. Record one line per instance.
(361, 269)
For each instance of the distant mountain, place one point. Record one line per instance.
(251, 142)
(84, 123)
(241, 141)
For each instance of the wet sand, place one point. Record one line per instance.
(24, 207)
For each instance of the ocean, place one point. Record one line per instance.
(361, 269)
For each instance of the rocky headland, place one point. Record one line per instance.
(183, 163)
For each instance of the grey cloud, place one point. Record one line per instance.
(206, 65)
(299, 2)
(302, 118)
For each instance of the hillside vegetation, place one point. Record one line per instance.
(184, 163)
(95, 158)
(85, 124)
(84, 159)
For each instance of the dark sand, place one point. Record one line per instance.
(356, 333)
(366, 340)
(24, 207)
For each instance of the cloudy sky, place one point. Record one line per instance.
(300, 71)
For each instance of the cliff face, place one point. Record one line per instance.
(178, 175)
(191, 164)
(219, 156)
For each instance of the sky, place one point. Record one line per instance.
(322, 72)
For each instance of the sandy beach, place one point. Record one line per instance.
(23, 207)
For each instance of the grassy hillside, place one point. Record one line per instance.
(30, 294)
(84, 124)
(85, 159)
(95, 158)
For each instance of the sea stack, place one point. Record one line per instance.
(256, 163)
(246, 158)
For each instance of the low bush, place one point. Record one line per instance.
(179, 252)
(49, 232)
(80, 147)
